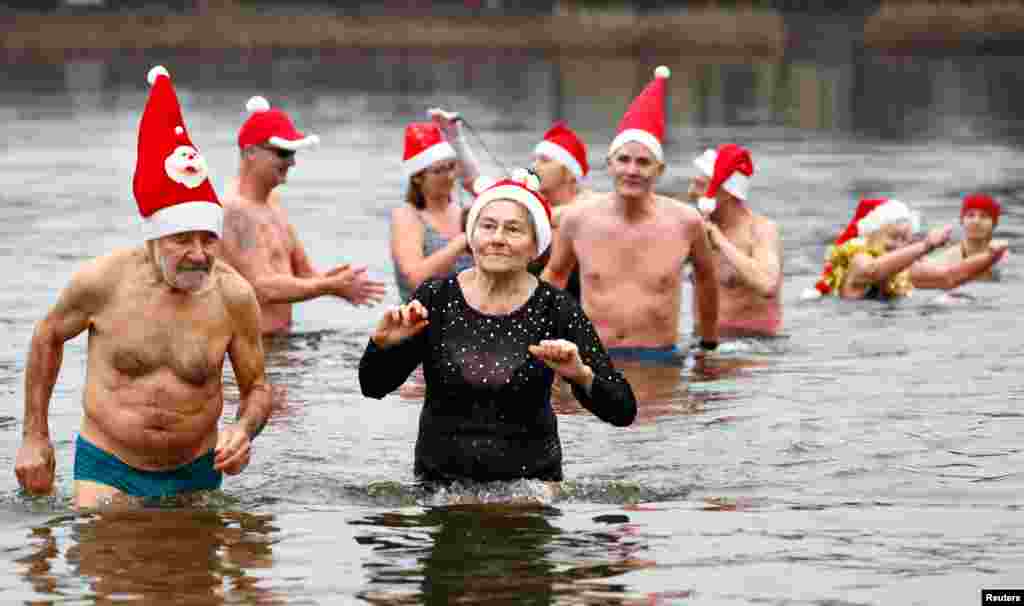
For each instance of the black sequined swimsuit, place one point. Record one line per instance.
(487, 413)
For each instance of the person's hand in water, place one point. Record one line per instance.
(563, 357)
(400, 323)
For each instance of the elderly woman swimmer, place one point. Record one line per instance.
(491, 340)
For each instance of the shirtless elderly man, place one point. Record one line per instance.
(631, 245)
(260, 242)
(160, 318)
(747, 246)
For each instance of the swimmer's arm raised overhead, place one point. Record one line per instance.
(705, 275)
(563, 255)
(929, 274)
(81, 299)
(763, 269)
(609, 396)
(451, 127)
(407, 248)
(398, 345)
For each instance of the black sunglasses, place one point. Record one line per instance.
(284, 154)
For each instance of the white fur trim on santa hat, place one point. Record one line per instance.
(636, 135)
(561, 155)
(541, 223)
(481, 183)
(185, 216)
(305, 142)
(737, 184)
(155, 72)
(890, 213)
(434, 153)
(706, 162)
(257, 104)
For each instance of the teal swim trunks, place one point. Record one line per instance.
(95, 465)
(669, 355)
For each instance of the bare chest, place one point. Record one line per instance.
(651, 256)
(263, 233)
(139, 340)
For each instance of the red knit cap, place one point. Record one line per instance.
(984, 203)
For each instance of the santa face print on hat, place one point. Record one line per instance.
(187, 166)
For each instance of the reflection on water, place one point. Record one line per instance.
(146, 555)
(503, 555)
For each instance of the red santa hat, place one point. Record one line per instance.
(729, 168)
(424, 145)
(644, 121)
(871, 215)
(984, 203)
(521, 187)
(266, 126)
(561, 144)
(171, 182)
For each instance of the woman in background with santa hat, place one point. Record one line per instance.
(427, 240)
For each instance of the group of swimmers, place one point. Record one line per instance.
(539, 278)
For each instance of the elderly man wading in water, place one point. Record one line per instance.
(631, 246)
(161, 318)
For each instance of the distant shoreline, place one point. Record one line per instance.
(902, 27)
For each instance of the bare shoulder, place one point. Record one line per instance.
(763, 226)
(234, 288)
(672, 208)
(96, 280)
(585, 206)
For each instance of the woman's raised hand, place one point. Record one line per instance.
(563, 357)
(400, 323)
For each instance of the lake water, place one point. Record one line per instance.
(872, 454)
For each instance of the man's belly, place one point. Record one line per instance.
(632, 318)
(151, 431)
(747, 314)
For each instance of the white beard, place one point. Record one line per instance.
(188, 281)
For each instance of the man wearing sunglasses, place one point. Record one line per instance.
(260, 241)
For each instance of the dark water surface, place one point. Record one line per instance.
(870, 455)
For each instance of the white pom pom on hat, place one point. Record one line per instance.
(257, 104)
(662, 71)
(155, 73)
(706, 206)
